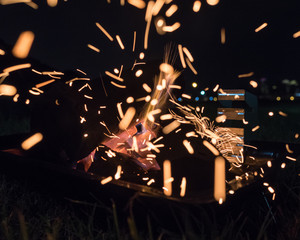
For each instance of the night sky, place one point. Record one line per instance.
(63, 32)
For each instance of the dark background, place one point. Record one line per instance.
(63, 32)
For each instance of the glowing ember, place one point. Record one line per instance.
(15, 99)
(283, 165)
(106, 180)
(171, 127)
(221, 118)
(7, 90)
(196, 6)
(297, 34)
(52, 3)
(137, 3)
(166, 117)
(186, 96)
(188, 146)
(2, 52)
(216, 88)
(130, 100)
(223, 36)
(271, 114)
(167, 175)
(271, 190)
(138, 73)
(253, 84)
(171, 10)
(150, 182)
(219, 179)
(147, 88)
(212, 2)
(142, 55)
(31, 141)
(118, 173)
(129, 115)
(231, 192)
(166, 68)
(23, 44)
(282, 114)
(261, 27)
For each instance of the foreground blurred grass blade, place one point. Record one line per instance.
(264, 226)
(5, 229)
(149, 228)
(132, 228)
(55, 230)
(23, 228)
(116, 222)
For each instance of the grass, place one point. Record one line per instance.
(29, 214)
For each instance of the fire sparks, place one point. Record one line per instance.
(219, 180)
(16, 68)
(180, 50)
(114, 76)
(255, 128)
(296, 34)
(223, 36)
(31, 141)
(290, 158)
(23, 44)
(167, 175)
(288, 149)
(261, 27)
(2, 52)
(120, 42)
(93, 48)
(39, 85)
(211, 148)
(183, 187)
(104, 31)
